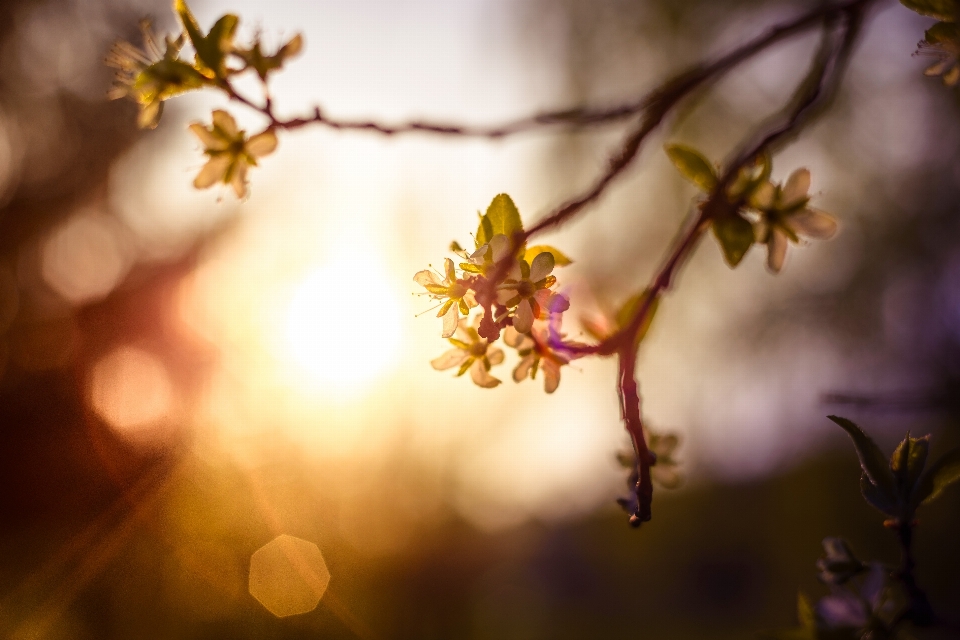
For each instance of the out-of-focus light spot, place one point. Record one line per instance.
(131, 390)
(342, 328)
(84, 260)
(288, 576)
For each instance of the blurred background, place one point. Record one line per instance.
(184, 377)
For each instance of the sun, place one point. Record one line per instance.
(341, 329)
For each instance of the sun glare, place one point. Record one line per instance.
(341, 329)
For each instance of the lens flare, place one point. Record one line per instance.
(342, 329)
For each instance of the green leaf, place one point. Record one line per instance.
(942, 32)
(872, 460)
(908, 461)
(939, 9)
(189, 22)
(503, 215)
(876, 498)
(212, 48)
(938, 476)
(692, 166)
(484, 230)
(631, 307)
(559, 259)
(735, 235)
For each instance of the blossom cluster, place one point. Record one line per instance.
(758, 210)
(501, 288)
(153, 74)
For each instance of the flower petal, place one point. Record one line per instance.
(950, 78)
(813, 223)
(504, 296)
(523, 319)
(666, 476)
(149, 115)
(212, 172)
(551, 375)
(262, 144)
(451, 358)
(425, 277)
(798, 184)
(450, 320)
(512, 337)
(542, 265)
(451, 274)
(522, 370)
(762, 197)
(481, 377)
(239, 179)
(499, 246)
(938, 68)
(494, 355)
(225, 123)
(209, 141)
(776, 250)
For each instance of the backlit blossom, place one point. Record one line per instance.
(528, 289)
(456, 293)
(785, 216)
(230, 152)
(665, 470)
(151, 75)
(471, 353)
(942, 41)
(537, 352)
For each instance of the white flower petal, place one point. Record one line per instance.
(494, 355)
(551, 375)
(212, 172)
(515, 339)
(225, 122)
(776, 250)
(481, 377)
(262, 144)
(425, 277)
(762, 196)
(506, 295)
(798, 184)
(451, 274)
(451, 358)
(209, 141)
(542, 265)
(523, 319)
(239, 179)
(938, 68)
(500, 246)
(813, 223)
(149, 114)
(450, 320)
(522, 370)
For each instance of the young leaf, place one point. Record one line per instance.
(908, 460)
(212, 48)
(942, 32)
(876, 498)
(559, 258)
(189, 22)
(503, 215)
(938, 476)
(484, 230)
(939, 9)
(872, 460)
(692, 166)
(735, 235)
